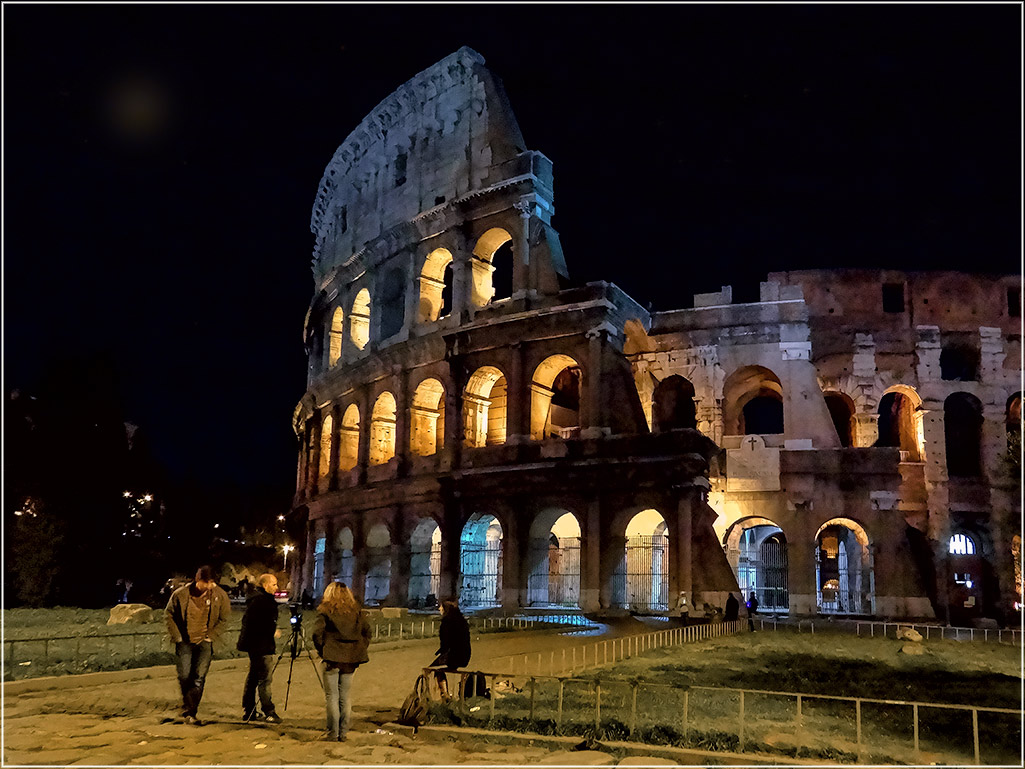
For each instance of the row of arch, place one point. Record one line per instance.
(490, 279)
(554, 411)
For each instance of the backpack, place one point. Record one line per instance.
(414, 710)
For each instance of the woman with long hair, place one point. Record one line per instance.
(454, 649)
(341, 635)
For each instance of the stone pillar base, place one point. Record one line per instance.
(589, 600)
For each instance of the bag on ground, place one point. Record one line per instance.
(414, 710)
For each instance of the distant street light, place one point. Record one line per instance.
(286, 548)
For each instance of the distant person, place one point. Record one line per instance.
(454, 650)
(732, 608)
(341, 635)
(752, 608)
(197, 615)
(259, 629)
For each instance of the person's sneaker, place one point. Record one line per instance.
(272, 718)
(192, 720)
(328, 737)
(250, 715)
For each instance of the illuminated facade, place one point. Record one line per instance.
(474, 425)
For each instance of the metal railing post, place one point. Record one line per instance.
(633, 710)
(914, 709)
(975, 734)
(799, 726)
(597, 704)
(741, 720)
(686, 708)
(857, 719)
(532, 698)
(493, 697)
(558, 711)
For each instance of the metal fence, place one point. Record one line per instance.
(890, 630)
(754, 719)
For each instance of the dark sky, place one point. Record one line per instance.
(161, 164)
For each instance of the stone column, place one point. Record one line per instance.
(313, 463)
(336, 436)
(402, 418)
(363, 456)
(684, 543)
(801, 572)
(590, 557)
(521, 253)
(331, 554)
(866, 430)
(512, 558)
(412, 295)
(451, 529)
(596, 425)
(517, 398)
(462, 277)
(398, 594)
(359, 559)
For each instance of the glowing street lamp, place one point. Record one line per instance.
(286, 548)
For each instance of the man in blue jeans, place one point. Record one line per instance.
(196, 614)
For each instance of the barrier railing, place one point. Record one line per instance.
(874, 629)
(818, 724)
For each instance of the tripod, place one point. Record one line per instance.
(296, 642)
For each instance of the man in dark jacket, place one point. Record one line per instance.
(196, 614)
(259, 629)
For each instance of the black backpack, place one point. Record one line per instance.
(414, 710)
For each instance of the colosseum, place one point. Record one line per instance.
(478, 426)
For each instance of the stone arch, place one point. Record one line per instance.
(752, 402)
(348, 439)
(435, 286)
(495, 242)
(555, 398)
(900, 423)
(962, 428)
(335, 332)
(378, 554)
(359, 319)
(480, 561)
(324, 463)
(344, 548)
(425, 564)
(484, 407)
(756, 549)
(641, 582)
(427, 418)
(673, 405)
(1012, 419)
(553, 561)
(392, 302)
(841, 410)
(844, 568)
(382, 429)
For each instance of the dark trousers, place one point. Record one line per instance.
(193, 663)
(261, 670)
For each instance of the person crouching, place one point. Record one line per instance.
(341, 636)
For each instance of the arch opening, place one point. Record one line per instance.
(756, 549)
(480, 562)
(382, 429)
(642, 577)
(841, 411)
(427, 418)
(324, 465)
(378, 552)
(346, 560)
(899, 426)
(844, 569)
(392, 302)
(436, 286)
(491, 254)
(424, 565)
(555, 398)
(554, 560)
(673, 406)
(359, 319)
(484, 407)
(962, 430)
(753, 402)
(348, 437)
(335, 338)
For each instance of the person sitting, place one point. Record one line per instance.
(454, 649)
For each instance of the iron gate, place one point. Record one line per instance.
(845, 585)
(424, 575)
(480, 567)
(642, 579)
(555, 578)
(378, 581)
(345, 564)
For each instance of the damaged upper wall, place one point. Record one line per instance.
(446, 133)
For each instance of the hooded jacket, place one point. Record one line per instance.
(342, 637)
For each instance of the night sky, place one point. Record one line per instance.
(161, 164)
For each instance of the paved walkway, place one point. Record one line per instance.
(119, 718)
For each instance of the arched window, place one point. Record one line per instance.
(488, 258)
(424, 564)
(554, 560)
(962, 424)
(480, 561)
(484, 408)
(756, 548)
(961, 544)
(382, 429)
(841, 409)
(844, 568)
(673, 405)
(753, 402)
(427, 418)
(324, 470)
(334, 352)
(348, 448)
(359, 319)
(378, 555)
(555, 398)
(436, 286)
(898, 425)
(642, 577)
(393, 302)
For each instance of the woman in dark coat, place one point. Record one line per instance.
(454, 651)
(341, 635)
